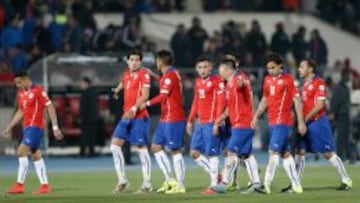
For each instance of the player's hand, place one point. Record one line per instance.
(128, 115)
(58, 134)
(216, 130)
(302, 128)
(142, 106)
(152, 74)
(254, 122)
(6, 132)
(116, 92)
(189, 128)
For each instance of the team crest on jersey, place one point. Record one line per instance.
(208, 84)
(31, 95)
(221, 86)
(311, 87)
(167, 81)
(280, 82)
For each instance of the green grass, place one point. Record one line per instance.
(319, 184)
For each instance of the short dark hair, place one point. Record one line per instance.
(87, 80)
(202, 58)
(20, 74)
(311, 63)
(229, 63)
(165, 56)
(232, 53)
(136, 52)
(274, 57)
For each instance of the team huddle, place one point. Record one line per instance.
(225, 124)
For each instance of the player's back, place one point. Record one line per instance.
(280, 92)
(313, 91)
(207, 91)
(240, 101)
(32, 103)
(172, 108)
(133, 84)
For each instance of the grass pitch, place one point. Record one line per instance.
(319, 184)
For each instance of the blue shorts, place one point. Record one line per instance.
(225, 134)
(135, 131)
(169, 135)
(204, 141)
(32, 137)
(318, 138)
(280, 138)
(241, 141)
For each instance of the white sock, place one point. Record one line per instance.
(271, 168)
(252, 169)
(179, 167)
(23, 169)
(289, 166)
(233, 162)
(119, 163)
(204, 163)
(164, 164)
(214, 172)
(336, 161)
(41, 171)
(145, 166)
(300, 164)
(226, 166)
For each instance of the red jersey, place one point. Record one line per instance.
(133, 84)
(205, 99)
(240, 101)
(280, 92)
(170, 97)
(32, 103)
(311, 93)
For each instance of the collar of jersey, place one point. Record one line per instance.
(170, 68)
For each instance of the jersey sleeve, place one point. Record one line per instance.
(145, 79)
(293, 88)
(194, 106)
(265, 88)
(43, 97)
(166, 84)
(220, 100)
(18, 101)
(320, 93)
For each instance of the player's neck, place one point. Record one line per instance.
(231, 76)
(164, 69)
(29, 83)
(310, 77)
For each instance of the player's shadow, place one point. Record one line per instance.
(319, 188)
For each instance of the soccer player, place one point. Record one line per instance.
(134, 124)
(279, 93)
(170, 130)
(240, 111)
(204, 142)
(318, 138)
(32, 101)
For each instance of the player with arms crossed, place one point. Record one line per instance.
(204, 142)
(279, 95)
(239, 101)
(170, 131)
(135, 123)
(32, 102)
(318, 138)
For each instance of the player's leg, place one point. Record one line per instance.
(161, 158)
(139, 138)
(41, 173)
(120, 135)
(322, 141)
(174, 133)
(23, 167)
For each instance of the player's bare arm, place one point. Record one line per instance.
(300, 117)
(260, 110)
(16, 119)
(220, 121)
(116, 90)
(52, 114)
(317, 108)
(145, 93)
(153, 74)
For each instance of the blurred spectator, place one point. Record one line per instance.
(290, 5)
(34, 54)
(130, 11)
(354, 74)
(211, 48)
(42, 36)
(18, 59)
(89, 117)
(197, 36)
(340, 113)
(131, 34)
(73, 35)
(210, 5)
(299, 45)
(57, 29)
(82, 12)
(7, 90)
(318, 49)
(12, 34)
(28, 30)
(163, 5)
(256, 44)
(180, 46)
(107, 39)
(87, 41)
(280, 42)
